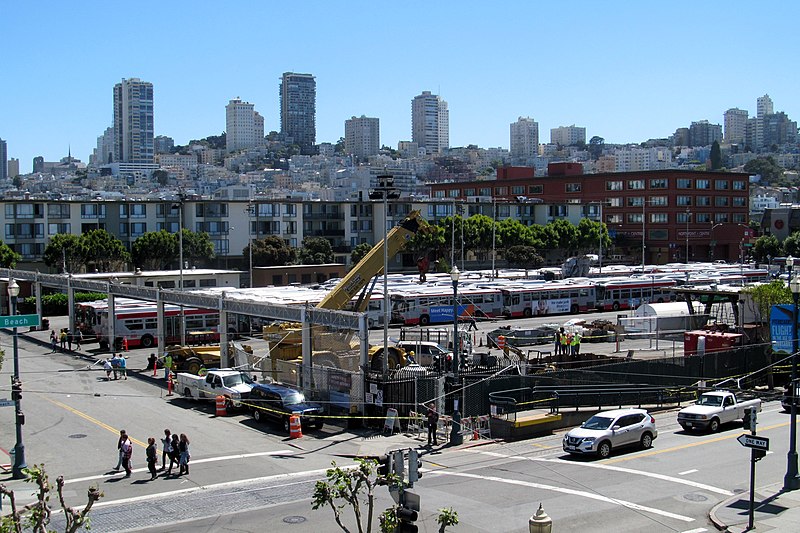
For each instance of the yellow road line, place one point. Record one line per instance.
(685, 446)
(93, 420)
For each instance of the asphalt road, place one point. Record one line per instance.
(251, 477)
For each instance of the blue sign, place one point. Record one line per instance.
(444, 313)
(780, 328)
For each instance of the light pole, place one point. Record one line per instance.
(644, 203)
(494, 231)
(179, 205)
(791, 481)
(688, 216)
(454, 275)
(600, 243)
(16, 390)
(384, 191)
(251, 208)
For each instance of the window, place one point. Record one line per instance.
(211, 210)
(720, 217)
(739, 185)
(721, 201)
(615, 202)
(658, 201)
(558, 211)
(703, 201)
(123, 229)
(658, 183)
(739, 201)
(535, 189)
(658, 218)
(613, 185)
(133, 211)
(138, 229)
(703, 218)
(636, 185)
(739, 217)
(469, 192)
(573, 187)
(93, 211)
(703, 184)
(290, 210)
(438, 194)
(614, 219)
(55, 229)
(518, 189)
(684, 183)
(212, 282)
(634, 218)
(721, 185)
(683, 201)
(485, 191)
(453, 193)
(635, 201)
(683, 217)
(501, 191)
(58, 211)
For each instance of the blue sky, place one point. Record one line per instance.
(627, 71)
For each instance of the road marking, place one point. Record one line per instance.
(698, 530)
(686, 472)
(92, 420)
(194, 462)
(573, 492)
(603, 466)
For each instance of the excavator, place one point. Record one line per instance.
(285, 338)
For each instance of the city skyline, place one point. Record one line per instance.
(625, 77)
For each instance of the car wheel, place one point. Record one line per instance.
(574, 309)
(527, 312)
(424, 320)
(148, 341)
(187, 392)
(713, 427)
(615, 306)
(318, 425)
(604, 450)
(286, 426)
(257, 415)
(647, 441)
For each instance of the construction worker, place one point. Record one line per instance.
(576, 344)
(167, 366)
(564, 342)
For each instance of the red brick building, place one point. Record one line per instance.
(706, 212)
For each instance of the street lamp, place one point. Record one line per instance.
(384, 191)
(454, 275)
(791, 481)
(688, 216)
(16, 391)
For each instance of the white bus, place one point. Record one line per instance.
(548, 299)
(434, 305)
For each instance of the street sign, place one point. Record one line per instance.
(6, 403)
(751, 441)
(19, 321)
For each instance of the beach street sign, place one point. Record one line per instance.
(19, 321)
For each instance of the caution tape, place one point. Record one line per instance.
(284, 413)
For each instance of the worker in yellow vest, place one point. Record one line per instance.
(564, 342)
(576, 344)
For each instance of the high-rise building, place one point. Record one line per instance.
(240, 126)
(524, 138)
(13, 167)
(133, 121)
(703, 133)
(38, 164)
(3, 160)
(258, 128)
(778, 130)
(430, 122)
(104, 152)
(735, 126)
(362, 136)
(568, 135)
(298, 93)
(764, 107)
(163, 144)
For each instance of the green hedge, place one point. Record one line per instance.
(56, 304)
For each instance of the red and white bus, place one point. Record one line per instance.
(138, 325)
(548, 299)
(616, 294)
(434, 305)
(87, 314)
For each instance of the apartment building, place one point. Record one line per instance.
(430, 122)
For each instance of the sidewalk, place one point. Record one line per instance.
(774, 510)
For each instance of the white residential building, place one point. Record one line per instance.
(525, 139)
(430, 122)
(241, 126)
(362, 136)
(567, 135)
(735, 126)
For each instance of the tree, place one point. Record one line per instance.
(716, 156)
(64, 252)
(767, 245)
(359, 252)
(523, 257)
(271, 251)
(161, 176)
(316, 251)
(155, 250)
(767, 295)
(765, 167)
(596, 146)
(429, 241)
(197, 246)
(791, 244)
(104, 250)
(36, 516)
(8, 257)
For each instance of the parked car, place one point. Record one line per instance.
(609, 430)
(713, 409)
(277, 402)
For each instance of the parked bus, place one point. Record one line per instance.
(434, 305)
(548, 299)
(87, 317)
(138, 325)
(616, 294)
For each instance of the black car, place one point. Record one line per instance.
(276, 402)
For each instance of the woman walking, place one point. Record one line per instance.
(183, 446)
(166, 448)
(174, 453)
(152, 459)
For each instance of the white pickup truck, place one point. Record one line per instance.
(713, 409)
(234, 385)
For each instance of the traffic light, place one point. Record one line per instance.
(16, 390)
(750, 419)
(414, 466)
(20, 418)
(405, 520)
(384, 465)
(759, 454)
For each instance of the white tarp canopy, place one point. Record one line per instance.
(662, 316)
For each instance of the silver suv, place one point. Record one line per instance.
(610, 430)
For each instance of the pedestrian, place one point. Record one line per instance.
(123, 366)
(564, 339)
(576, 344)
(63, 339)
(557, 341)
(185, 455)
(174, 454)
(114, 364)
(53, 340)
(123, 436)
(432, 423)
(69, 340)
(78, 339)
(127, 451)
(167, 366)
(152, 458)
(166, 448)
(152, 362)
(108, 368)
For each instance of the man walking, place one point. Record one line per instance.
(433, 423)
(123, 436)
(126, 448)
